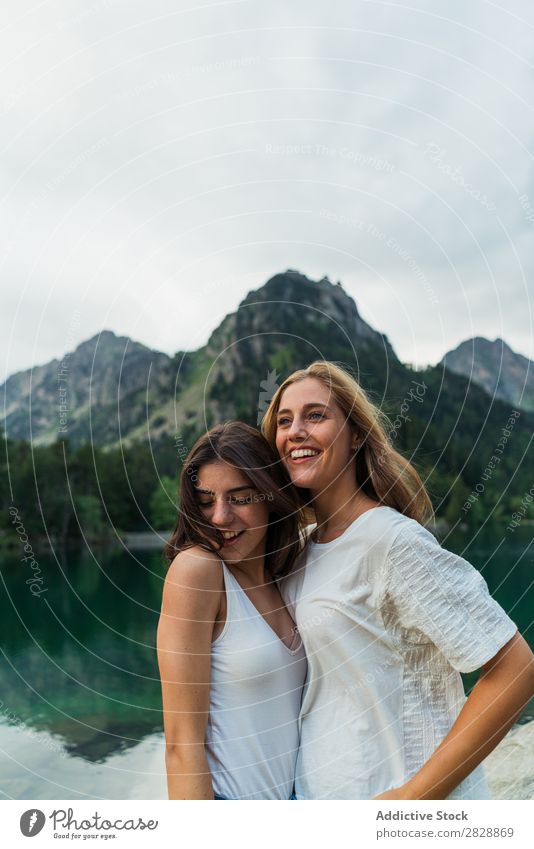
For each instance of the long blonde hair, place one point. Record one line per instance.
(381, 472)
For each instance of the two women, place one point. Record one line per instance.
(387, 617)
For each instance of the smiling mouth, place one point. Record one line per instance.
(302, 455)
(230, 537)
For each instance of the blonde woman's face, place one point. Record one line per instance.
(313, 438)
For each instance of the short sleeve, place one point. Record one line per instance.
(443, 596)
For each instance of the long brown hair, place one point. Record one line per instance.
(381, 472)
(245, 448)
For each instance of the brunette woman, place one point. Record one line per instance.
(389, 618)
(231, 661)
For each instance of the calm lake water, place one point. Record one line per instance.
(80, 700)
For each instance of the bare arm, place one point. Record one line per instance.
(191, 602)
(503, 689)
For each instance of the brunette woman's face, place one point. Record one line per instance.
(230, 503)
(313, 437)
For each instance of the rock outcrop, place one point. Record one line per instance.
(496, 368)
(510, 767)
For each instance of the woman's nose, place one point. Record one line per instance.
(222, 513)
(297, 429)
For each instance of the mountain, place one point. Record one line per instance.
(82, 394)
(145, 409)
(496, 368)
(285, 325)
(116, 390)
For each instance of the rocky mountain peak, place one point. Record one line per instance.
(495, 367)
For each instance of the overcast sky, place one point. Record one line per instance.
(160, 159)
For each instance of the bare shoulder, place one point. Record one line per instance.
(195, 569)
(192, 597)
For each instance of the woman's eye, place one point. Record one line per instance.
(243, 500)
(205, 503)
(282, 422)
(317, 413)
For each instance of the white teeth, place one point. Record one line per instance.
(303, 452)
(230, 534)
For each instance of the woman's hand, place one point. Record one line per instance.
(394, 793)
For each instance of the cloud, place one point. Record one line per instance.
(161, 161)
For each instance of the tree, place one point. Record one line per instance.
(90, 518)
(164, 504)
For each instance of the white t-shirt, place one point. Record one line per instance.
(389, 619)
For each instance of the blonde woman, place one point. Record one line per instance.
(389, 618)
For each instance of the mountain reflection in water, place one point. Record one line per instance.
(80, 702)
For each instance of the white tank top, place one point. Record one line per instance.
(256, 688)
